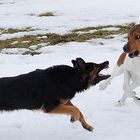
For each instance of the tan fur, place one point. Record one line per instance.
(81, 119)
(62, 101)
(121, 59)
(67, 108)
(93, 75)
(134, 45)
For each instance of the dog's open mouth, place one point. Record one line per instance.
(104, 66)
(133, 54)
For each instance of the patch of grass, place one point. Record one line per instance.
(31, 53)
(123, 28)
(14, 30)
(74, 36)
(28, 41)
(53, 39)
(46, 14)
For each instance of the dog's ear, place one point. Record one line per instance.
(75, 64)
(79, 63)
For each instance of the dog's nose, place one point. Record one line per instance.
(125, 48)
(106, 62)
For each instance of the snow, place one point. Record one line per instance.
(110, 122)
(69, 14)
(21, 34)
(110, 29)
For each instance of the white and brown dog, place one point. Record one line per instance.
(129, 64)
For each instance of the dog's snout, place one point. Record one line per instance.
(125, 48)
(107, 62)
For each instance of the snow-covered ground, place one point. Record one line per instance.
(110, 122)
(69, 13)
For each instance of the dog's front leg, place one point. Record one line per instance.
(116, 72)
(126, 88)
(81, 119)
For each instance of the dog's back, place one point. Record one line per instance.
(20, 92)
(32, 90)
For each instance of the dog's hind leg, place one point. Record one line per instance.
(81, 119)
(66, 110)
(74, 112)
(128, 89)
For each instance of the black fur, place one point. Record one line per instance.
(44, 88)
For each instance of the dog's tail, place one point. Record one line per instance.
(136, 100)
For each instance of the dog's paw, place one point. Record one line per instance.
(136, 100)
(131, 94)
(103, 85)
(89, 128)
(119, 103)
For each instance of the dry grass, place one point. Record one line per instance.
(123, 28)
(46, 14)
(14, 30)
(52, 38)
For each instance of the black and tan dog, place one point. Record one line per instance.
(51, 89)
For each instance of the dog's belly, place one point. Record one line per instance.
(135, 78)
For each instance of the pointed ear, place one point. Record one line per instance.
(81, 63)
(75, 64)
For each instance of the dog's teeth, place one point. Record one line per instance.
(104, 71)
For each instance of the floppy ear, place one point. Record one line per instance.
(81, 63)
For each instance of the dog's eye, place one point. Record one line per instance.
(137, 37)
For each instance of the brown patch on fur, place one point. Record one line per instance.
(133, 43)
(82, 119)
(62, 101)
(93, 75)
(121, 59)
(67, 110)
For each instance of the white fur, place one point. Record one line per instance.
(131, 71)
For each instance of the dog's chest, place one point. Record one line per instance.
(133, 66)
